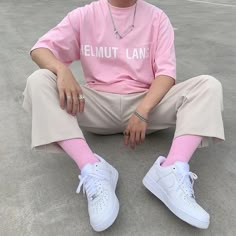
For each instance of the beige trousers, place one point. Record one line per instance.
(193, 107)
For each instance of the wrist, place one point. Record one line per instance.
(143, 111)
(141, 117)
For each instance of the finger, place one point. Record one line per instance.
(75, 105)
(138, 137)
(69, 102)
(81, 103)
(126, 137)
(143, 135)
(81, 99)
(132, 139)
(62, 98)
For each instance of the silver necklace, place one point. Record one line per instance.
(117, 34)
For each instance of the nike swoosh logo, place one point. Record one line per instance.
(169, 182)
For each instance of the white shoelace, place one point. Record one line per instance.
(90, 184)
(188, 181)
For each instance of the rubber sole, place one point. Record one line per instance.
(155, 189)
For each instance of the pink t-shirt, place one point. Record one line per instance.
(127, 65)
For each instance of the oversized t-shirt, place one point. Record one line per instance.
(111, 64)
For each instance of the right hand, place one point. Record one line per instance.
(69, 91)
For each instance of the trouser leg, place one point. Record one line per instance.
(193, 106)
(49, 122)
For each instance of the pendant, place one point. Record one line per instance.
(118, 36)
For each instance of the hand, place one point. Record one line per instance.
(135, 131)
(69, 92)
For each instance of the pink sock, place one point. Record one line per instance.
(79, 151)
(182, 149)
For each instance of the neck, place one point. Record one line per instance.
(122, 3)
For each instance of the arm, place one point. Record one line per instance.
(165, 74)
(159, 88)
(66, 83)
(45, 59)
(137, 127)
(54, 51)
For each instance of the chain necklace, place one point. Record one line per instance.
(117, 34)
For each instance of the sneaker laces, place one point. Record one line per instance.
(187, 182)
(90, 184)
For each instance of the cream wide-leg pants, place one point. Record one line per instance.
(193, 107)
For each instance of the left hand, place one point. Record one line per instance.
(135, 132)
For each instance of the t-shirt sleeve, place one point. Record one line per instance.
(63, 40)
(165, 60)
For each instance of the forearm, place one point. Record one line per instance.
(46, 60)
(159, 88)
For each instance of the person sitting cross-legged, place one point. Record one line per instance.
(126, 49)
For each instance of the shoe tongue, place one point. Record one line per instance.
(182, 166)
(86, 170)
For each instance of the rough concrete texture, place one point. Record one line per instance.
(37, 190)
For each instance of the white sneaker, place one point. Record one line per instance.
(99, 182)
(173, 185)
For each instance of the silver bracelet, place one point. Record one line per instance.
(140, 117)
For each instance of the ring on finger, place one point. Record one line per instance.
(126, 133)
(68, 97)
(81, 97)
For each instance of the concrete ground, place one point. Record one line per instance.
(37, 190)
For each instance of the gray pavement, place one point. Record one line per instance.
(37, 190)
